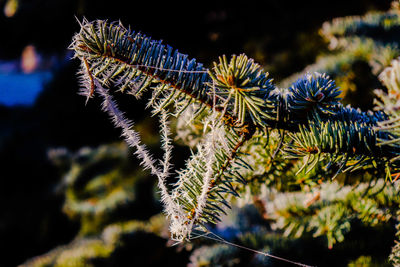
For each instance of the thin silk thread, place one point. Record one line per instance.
(220, 239)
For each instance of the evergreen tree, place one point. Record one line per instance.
(287, 170)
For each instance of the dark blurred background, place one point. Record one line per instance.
(40, 108)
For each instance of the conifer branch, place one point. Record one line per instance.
(239, 99)
(131, 61)
(133, 140)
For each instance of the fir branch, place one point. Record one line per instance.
(126, 59)
(314, 92)
(372, 24)
(208, 178)
(331, 210)
(166, 145)
(389, 101)
(133, 140)
(351, 144)
(245, 87)
(240, 100)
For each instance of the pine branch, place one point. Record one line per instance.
(240, 100)
(131, 61)
(368, 25)
(113, 56)
(331, 210)
(317, 92)
(133, 140)
(244, 87)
